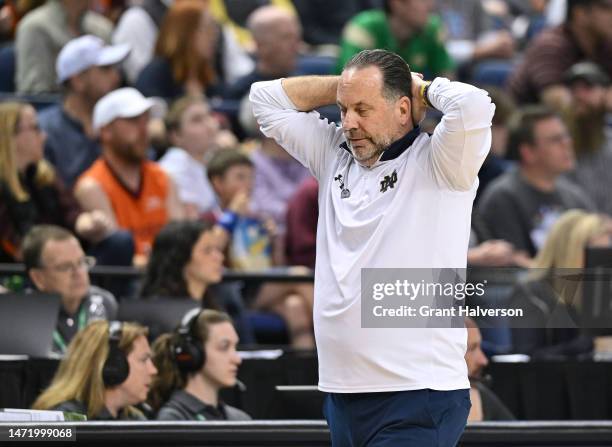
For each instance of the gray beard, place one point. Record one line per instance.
(373, 153)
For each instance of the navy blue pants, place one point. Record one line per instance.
(420, 418)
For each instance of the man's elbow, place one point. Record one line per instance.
(256, 92)
(479, 110)
(256, 100)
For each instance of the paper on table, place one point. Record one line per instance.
(35, 415)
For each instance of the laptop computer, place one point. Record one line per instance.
(159, 314)
(27, 322)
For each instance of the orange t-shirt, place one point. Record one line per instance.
(143, 213)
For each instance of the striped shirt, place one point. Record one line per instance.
(546, 60)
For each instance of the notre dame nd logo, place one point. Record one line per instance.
(388, 181)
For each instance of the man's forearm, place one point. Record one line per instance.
(310, 92)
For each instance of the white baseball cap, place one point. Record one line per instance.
(87, 51)
(125, 102)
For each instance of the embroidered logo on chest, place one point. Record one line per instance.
(345, 193)
(388, 181)
(153, 203)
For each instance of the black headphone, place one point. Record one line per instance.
(116, 367)
(189, 353)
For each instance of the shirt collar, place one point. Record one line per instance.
(396, 148)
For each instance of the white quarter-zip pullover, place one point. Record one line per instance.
(423, 221)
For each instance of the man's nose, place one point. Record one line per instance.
(349, 122)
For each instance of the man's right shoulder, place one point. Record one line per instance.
(92, 178)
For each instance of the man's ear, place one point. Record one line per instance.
(405, 110)
(37, 278)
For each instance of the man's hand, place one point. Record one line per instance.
(94, 225)
(494, 253)
(418, 104)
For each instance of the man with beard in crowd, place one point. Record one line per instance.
(133, 192)
(588, 120)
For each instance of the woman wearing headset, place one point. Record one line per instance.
(107, 370)
(194, 363)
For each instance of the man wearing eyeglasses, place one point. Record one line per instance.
(56, 263)
(521, 206)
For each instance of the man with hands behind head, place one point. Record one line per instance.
(390, 196)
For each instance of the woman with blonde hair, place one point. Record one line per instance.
(195, 363)
(106, 371)
(551, 295)
(184, 60)
(30, 191)
(570, 235)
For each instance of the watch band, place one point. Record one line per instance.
(424, 93)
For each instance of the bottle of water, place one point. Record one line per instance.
(96, 310)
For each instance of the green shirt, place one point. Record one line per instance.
(424, 52)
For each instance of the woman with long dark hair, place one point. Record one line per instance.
(187, 262)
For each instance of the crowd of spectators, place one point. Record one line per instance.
(127, 139)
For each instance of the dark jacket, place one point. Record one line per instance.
(183, 406)
(47, 204)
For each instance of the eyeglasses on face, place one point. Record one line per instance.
(86, 262)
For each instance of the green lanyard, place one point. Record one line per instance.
(57, 337)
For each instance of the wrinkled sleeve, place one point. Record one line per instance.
(462, 140)
(311, 140)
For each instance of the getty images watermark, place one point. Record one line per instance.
(423, 298)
